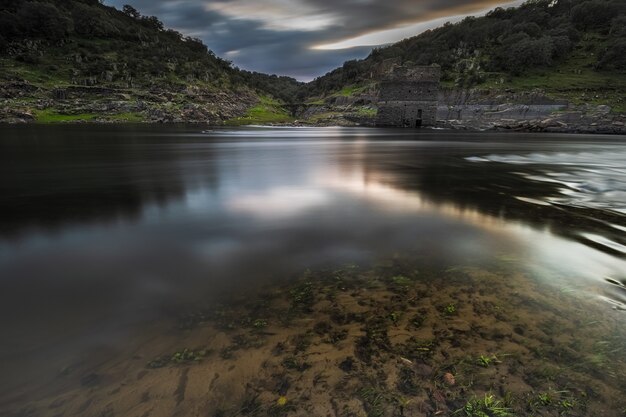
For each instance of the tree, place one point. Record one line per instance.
(90, 20)
(594, 14)
(520, 52)
(131, 11)
(43, 20)
(8, 26)
(615, 56)
(152, 22)
(618, 27)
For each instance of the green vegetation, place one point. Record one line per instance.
(61, 43)
(51, 116)
(268, 111)
(126, 117)
(449, 310)
(486, 361)
(180, 357)
(400, 283)
(104, 45)
(370, 344)
(488, 406)
(572, 50)
(350, 91)
(259, 324)
(377, 401)
(302, 296)
(294, 363)
(417, 320)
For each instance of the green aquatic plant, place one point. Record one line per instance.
(449, 310)
(407, 381)
(301, 342)
(183, 356)
(188, 355)
(400, 283)
(373, 401)
(228, 352)
(567, 403)
(378, 401)
(417, 320)
(294, 363)
(544, 398)
(488, 406)
(302, 296)
(415, 349)
(336, 336)
(394, 316)
(259, 324)
(485, 361)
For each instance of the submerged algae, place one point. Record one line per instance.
(365, 342)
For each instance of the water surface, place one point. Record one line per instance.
(108, 230)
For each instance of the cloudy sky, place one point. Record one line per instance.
(303, 38)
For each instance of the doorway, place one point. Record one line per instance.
(418, 121)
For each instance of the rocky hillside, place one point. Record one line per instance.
(513, 67)
(70, 60)
(555, 65)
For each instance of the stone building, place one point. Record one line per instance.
(408, 97)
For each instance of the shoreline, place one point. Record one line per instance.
(515, 126)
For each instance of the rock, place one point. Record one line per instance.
(449, 379)
(59, 94)
(548, 123)
(423, 370)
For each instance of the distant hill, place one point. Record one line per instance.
(82, 49)
(567, 49)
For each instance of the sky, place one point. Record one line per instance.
(304, 38)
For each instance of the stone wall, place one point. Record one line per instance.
(406, 113)
(408, 91)
(408, 97)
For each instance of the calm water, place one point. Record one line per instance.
(105, 228)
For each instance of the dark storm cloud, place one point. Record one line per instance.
(278, 36)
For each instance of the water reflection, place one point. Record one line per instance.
(103, 228)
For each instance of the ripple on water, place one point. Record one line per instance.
(595, 180)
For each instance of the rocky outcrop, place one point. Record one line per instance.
(523, 111)
(472, 109)
(20, 102)
(15, 116)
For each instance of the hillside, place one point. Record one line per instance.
(78, 60)
(558, 51)
(71, 60)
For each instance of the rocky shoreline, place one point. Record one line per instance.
(480, 111)
(22, 102)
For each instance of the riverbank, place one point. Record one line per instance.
(479, 110)
(22, 102)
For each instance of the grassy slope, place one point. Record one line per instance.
(267, 111)
(573, 79)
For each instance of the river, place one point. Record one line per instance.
(141, 270)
